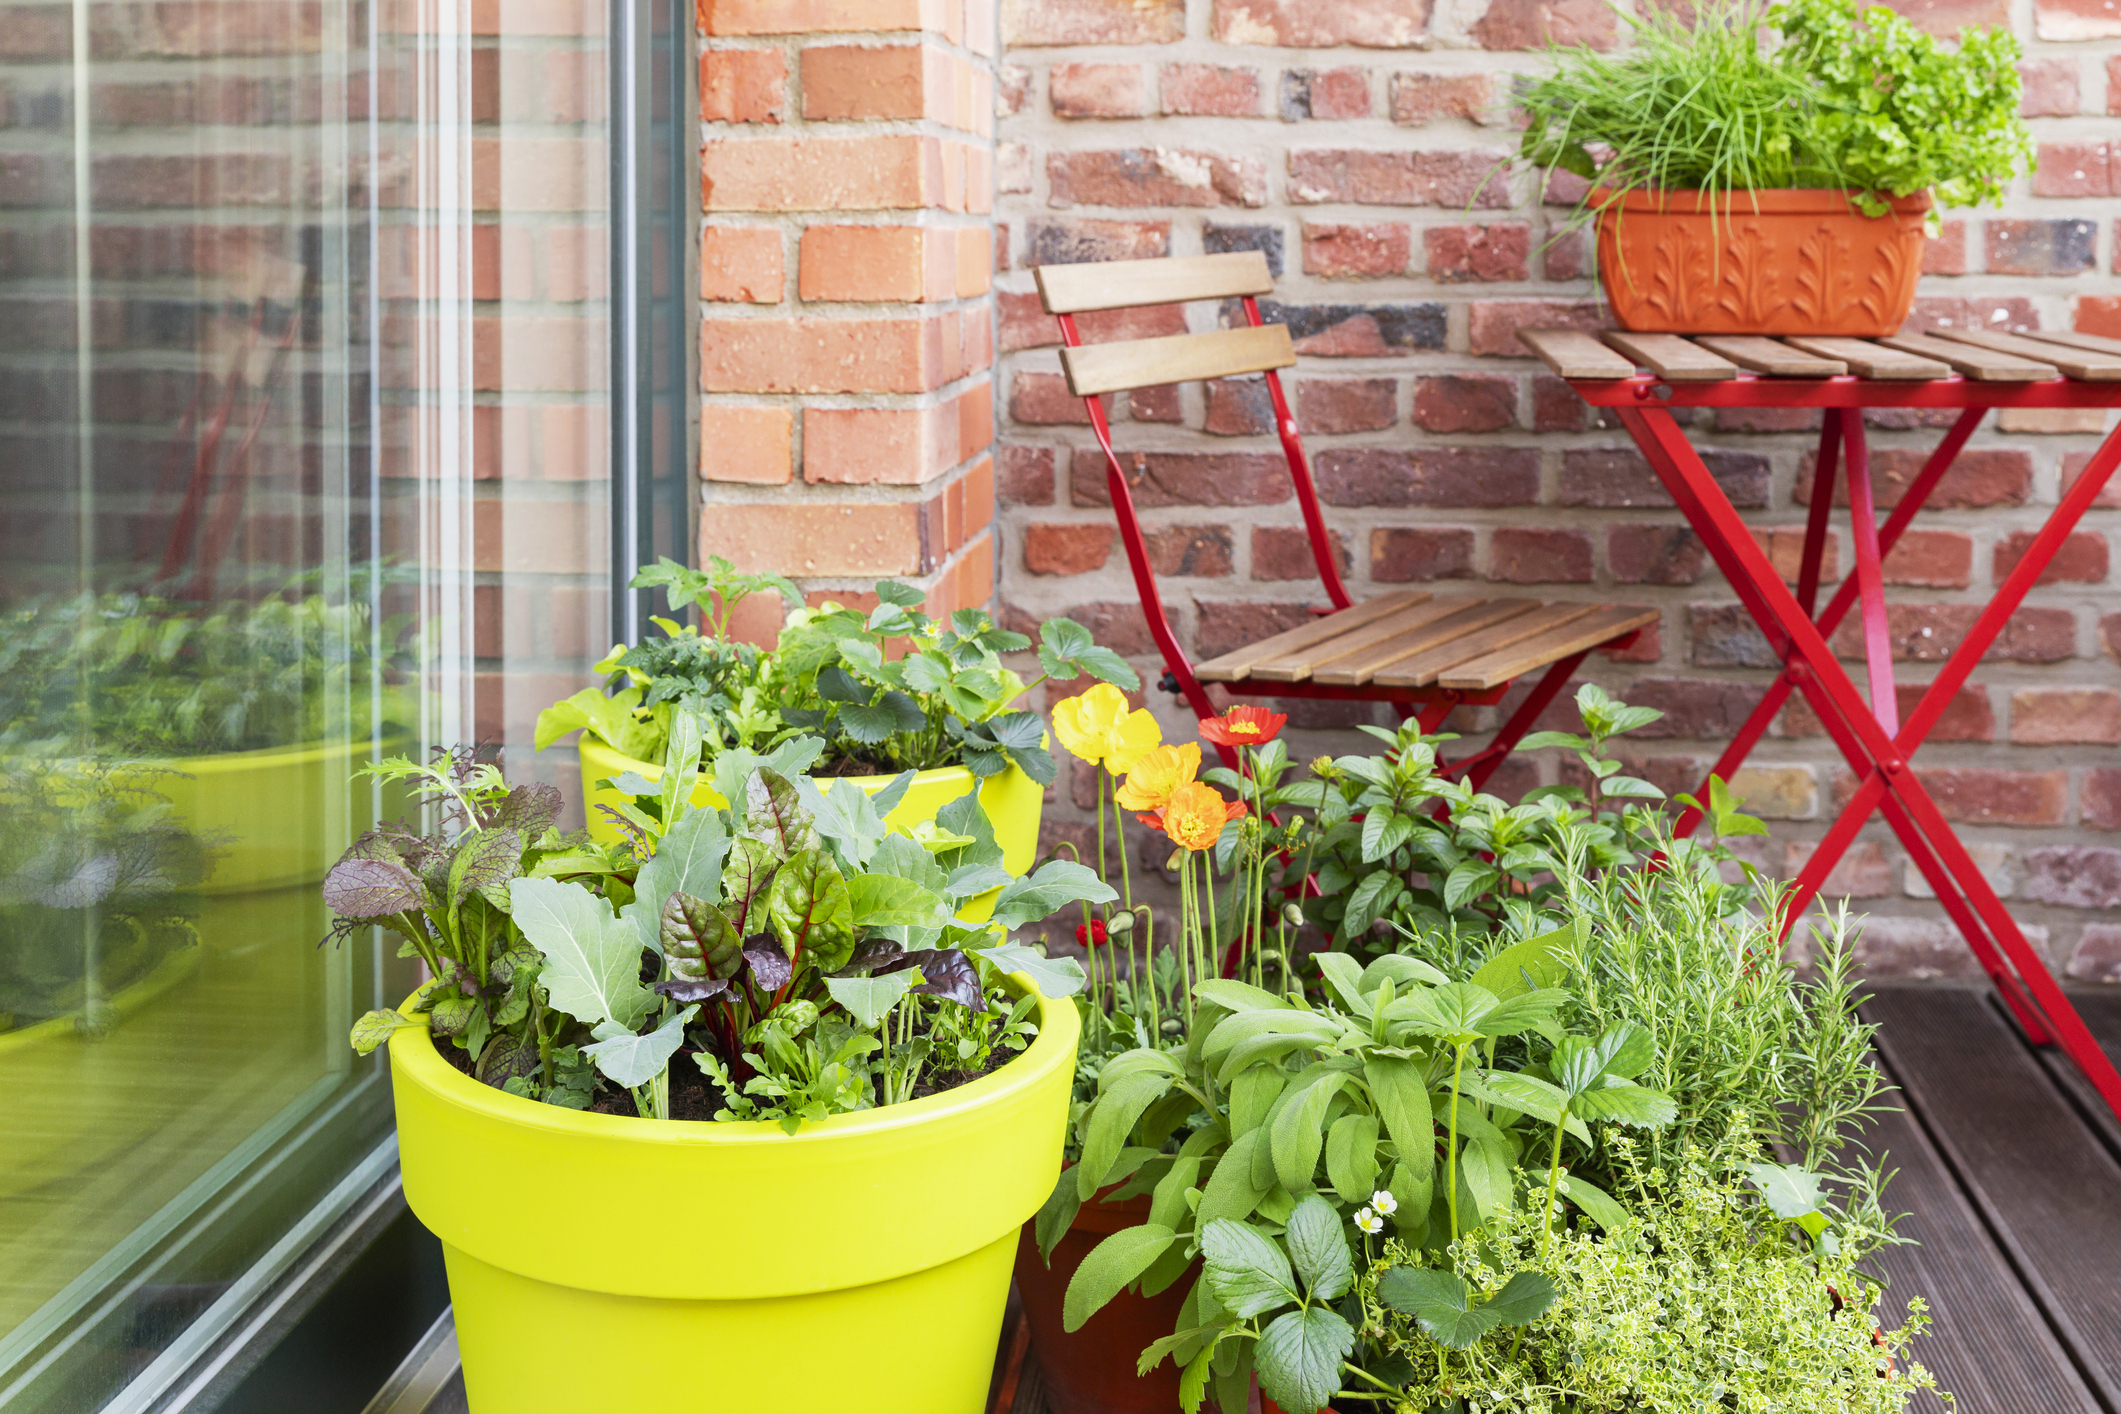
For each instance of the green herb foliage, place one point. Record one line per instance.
(1852, 97)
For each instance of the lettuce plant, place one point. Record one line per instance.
(802, 958)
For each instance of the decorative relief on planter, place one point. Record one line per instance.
(1766, 262)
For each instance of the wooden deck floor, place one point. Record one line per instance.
(2010, 1170)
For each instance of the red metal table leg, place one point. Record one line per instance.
(1772, 606)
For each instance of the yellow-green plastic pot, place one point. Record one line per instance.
(276, 817)
(1012, 799)
(601, 1262)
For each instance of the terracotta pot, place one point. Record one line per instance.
(1092, 1370)
(1758, 262)
(1268, 1406)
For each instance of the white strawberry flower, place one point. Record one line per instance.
(1369, 1222)
(1384, 1202)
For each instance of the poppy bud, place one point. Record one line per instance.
(1172, 1026)
(1178, 857)
(1271, 957)
(1292, 914)
(1120, 924)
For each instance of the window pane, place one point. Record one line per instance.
(305, 450)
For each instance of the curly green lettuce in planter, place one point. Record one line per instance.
(1853, 97)
(890, 690)
(806, 961)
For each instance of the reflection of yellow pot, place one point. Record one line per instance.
(50, 1130)
(274, 817)
(860, 1264)
(1012, 799)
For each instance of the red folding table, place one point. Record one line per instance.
(1970, 372)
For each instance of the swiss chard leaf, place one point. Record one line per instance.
(811, 911)
(774, 815)
(947, 973)
(688, 859)
(699, 940)
(771, 969)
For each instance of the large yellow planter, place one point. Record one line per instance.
(598, 1262)
(1013, 800)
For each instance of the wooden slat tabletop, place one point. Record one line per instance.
(1911, 355)
(2073, 362)
(1974, 360)
(1771, 357)
(1238, 661)
(1466, 616)
(1671, 357)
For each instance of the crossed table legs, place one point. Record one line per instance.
(1876, 744)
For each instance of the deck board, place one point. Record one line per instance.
(2102, 1017)
(2045, 1184)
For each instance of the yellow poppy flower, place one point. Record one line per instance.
(1097, 727)
(1159, 771)
(1195, 816)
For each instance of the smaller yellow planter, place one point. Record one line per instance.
(1012, 799)
(276, 817)
(599, 1262)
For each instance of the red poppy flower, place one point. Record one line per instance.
(1244, 725)
(1154, 819)
(1092, 936)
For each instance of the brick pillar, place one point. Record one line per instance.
(847, 180)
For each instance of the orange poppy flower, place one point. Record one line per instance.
(1195, 815)
(1243, 725)
(1156, 773)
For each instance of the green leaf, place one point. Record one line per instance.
(1526, 1093)
(1252, 1095)
(1484, 1168)
(1163, 1347)
(1629, 1104)
(847, 815)
(592, 960)
(1296, 1134)
(1402, 1100)
(904, 596)
(1523, 1299)
(688, 858)
(1596, 1203)
(1439, 1301)
(1111, 1266)
(1055, 977)
(1455, 1012)
(1319, 1249)
(1401, 971)
(1532, 964)
(1343, 975)
(774, 815)
(1469, 881)
(1066, 650)
(733, 767)
(1791, 1190)
(1058, 883)
(1057, 1215)
(1111, 1119)
(745, 883)
(885, 900)
(698, 940)
(1351, 1156)
(681, 765)
(376, 1027)
(1234, 996)
(1248, 1274)
(902, 858)
(1628, 788)
(1299, 1358)
(890, 715)
(1230, 1192)
(868, 998)
(810, 910)
(631, 1060)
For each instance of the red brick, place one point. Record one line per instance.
(1359, 330)
(1861, 872)
(1694, 708)
(1977, 795)
(2047, 716)
(1209, 90)
(1929, 632)
(1026, 325)
(1645, 645)
(1187, 478)
(1468, 403)
(1012, 90)
(1044, 22)
(1056, 240)
(1988, 476)
(1238, 407)
(1196, 551)
(1457, 254)
(729, 17)
(2097, 958)
(870, 173)
(1654, 554)
(2074, 168)
(2073, 465)
(1026, 475)
(2081, 560)
(1308, 24)
(2073, 876)
(1098, 91)
(1618, 478)
(2098, 314)
(1326, 94)
(1157, 404)
(2041, 247)
(1969, 716)
(1337, 252)
(863, 262)
(743, 86)
(1538, 24)
(2101, 799)
(1405, 554)
(1419, 99)
(740, 263)
(1945, 252)
(1066, 549)
(746, 444)
(819, 539)
(2076, 19)
(1555, 406)
(1155, 177)
(823, 355)
(895, 446)
(2048, 88)
(2113, 84)
(1281, 552)
(1933, 559)
(1531, 555)
(1784, 547)
(1492, 325)
(1043, 400)
(1397, 178)
(1222, 626)
(1429, 476)
(1334, 405)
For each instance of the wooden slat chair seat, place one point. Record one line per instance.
(1418, 651)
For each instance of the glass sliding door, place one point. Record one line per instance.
(304, 462)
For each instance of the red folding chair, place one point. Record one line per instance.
(1423, 653)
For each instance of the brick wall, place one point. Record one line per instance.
(1357, 143)
(847, 183)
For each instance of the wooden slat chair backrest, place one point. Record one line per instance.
(1119, 366)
